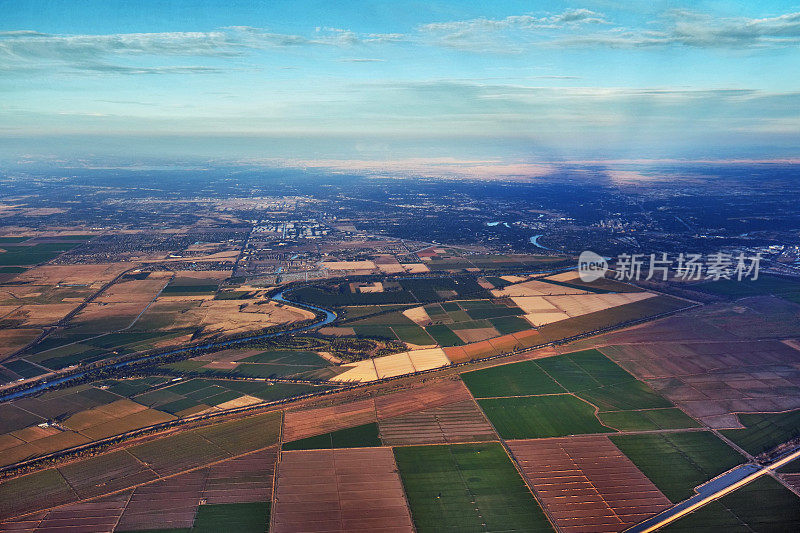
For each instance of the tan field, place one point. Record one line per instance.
(575, 305)
(393, 365)
(349, 265)
(216, 316)
(337, 332)
(533, 304)
(513, 279)
(148, 417)
(375, 287)
(100, 415)
(428, 358)
(541, 310)
(360, 371)
(418, 315)
(43, 315)
(534, 288)
(132, 291)
(564, 276)
(545, 317)
(12, 340)
(416, 268)
(241, 401)
(391, 268)
(66, 274)
(228, 316)
(100, 311)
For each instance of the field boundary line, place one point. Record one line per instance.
(118, 491)
(517, 467)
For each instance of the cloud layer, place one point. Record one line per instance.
(27, 50)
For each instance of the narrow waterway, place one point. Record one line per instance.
(330, 316)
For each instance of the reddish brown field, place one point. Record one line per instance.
(310, 422)
(456, 354)
(169, 503)
(457, 422)
(339, 490)
(712, 380)
(528, 337)
(301, 424)
(98, 516)
(418, 399)
(245, 479)
(587, 484)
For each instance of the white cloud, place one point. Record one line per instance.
(506, 34)
(693, 29)
(24, 50)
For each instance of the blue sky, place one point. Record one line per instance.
(525, 80)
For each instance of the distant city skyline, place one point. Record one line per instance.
(308, 79)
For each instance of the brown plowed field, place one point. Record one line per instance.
(413, 400)
(85, 517)
(456, 422)
(712, 380)
(301, 424)
(587, 484)
(246, 479)
(339, 490)
(170, 503)
(310, 422)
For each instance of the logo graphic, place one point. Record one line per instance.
(591, 266)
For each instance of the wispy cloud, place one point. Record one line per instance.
(692, 29)
(362, 60)
(26, 49)
(508, 34)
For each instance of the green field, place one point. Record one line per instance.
(17, 254)
(624, 396)
(764, 431)
(532, 417)
(239, 517)
(94, 348)
(190, 290)
(517, 379)
(24, 368)
(592, 377)
(443, 335)
(467, 488)
(446, 318)
(763, 505)
(647, 419)
(199, 394)
(355, 437)
(678, 462)
(509, 324)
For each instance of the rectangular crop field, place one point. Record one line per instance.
(532, 417)
(339, 490)
(678, 462)
(763, 505)
(764, 431)
(587, 484)
(467, 487)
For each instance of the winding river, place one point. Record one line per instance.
(330, 316)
